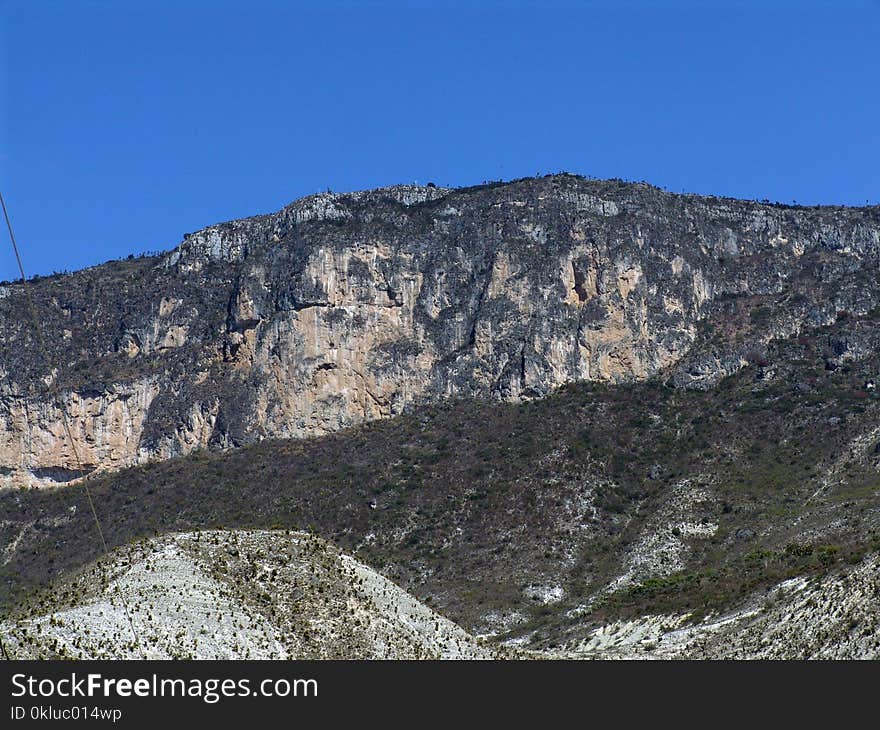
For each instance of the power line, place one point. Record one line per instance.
(80, 470)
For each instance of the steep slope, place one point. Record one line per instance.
(834, 617)
(540, 521)
(341, 309)
(233, 594)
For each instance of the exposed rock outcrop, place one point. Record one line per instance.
(343, 308)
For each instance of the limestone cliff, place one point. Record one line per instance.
(342, 308)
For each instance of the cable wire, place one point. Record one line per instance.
(64, 417)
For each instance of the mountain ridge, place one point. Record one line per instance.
(579, 418)
(343, 308)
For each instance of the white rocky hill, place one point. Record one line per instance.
(234, 594)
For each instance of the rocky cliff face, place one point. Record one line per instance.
(344, 308)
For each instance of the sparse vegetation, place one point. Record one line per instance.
(468, 502)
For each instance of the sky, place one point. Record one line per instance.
(124, 125)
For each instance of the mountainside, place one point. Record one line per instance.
(539, 522)
(345, 308)
(835, 617)
(268, 595)
(570, 417)
(234, 595)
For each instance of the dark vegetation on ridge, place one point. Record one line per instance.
(468, 504)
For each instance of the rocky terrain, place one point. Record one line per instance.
(834, 617)
(345, 308)
(573, 418)
(538, 523)
(232, 594)
(278, 595)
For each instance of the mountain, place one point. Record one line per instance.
(539, 521)
(345, 308)
(578, 418)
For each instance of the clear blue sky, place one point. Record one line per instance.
(125, 124)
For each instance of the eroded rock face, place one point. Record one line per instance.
(345, 308)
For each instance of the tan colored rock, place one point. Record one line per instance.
(340, 309)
